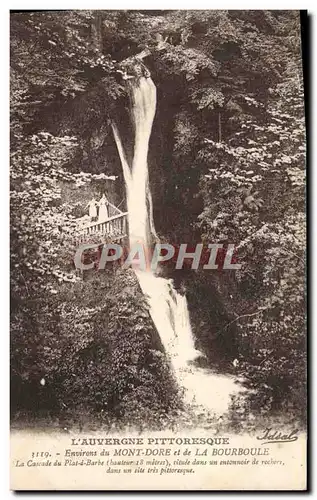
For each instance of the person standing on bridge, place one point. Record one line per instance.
(103, 209)
(92, 205)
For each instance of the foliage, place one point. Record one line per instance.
(95, 348)
(255, 198)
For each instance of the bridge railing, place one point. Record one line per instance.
(115, 226)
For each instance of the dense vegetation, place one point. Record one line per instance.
(227, 164)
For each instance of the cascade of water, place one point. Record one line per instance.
(168, 308)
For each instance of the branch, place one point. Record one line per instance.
(245, 316)
(289, 252)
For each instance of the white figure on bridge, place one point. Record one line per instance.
(103, 209)
(92, 205)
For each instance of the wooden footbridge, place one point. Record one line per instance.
(114, 227)
(110, 223)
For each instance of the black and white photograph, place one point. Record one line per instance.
(158, 250)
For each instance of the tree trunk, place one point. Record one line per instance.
(96, 31)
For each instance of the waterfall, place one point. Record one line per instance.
(168, 308)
